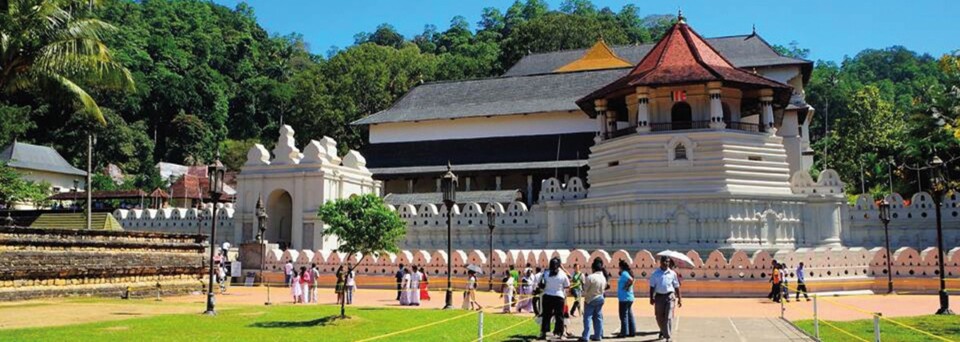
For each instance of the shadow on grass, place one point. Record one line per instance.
(301, 324)
(521, 338)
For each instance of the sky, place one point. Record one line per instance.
(831, 29)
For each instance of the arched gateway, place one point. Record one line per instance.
(294, 185)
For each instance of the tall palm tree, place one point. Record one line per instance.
(45, 46)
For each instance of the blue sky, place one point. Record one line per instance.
(831, 29)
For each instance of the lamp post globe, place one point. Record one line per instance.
(492, 224)
(215, 173)
(885, 218)
(448, 186)
(939, 188)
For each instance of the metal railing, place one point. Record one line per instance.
(685, 125)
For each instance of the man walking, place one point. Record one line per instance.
(399, 277)
(287, 272)
(801, 285)
(593, 287)
(664, 289)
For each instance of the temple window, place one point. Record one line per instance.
(727, 116)
(680, 152)
(681, 115)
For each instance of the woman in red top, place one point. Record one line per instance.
(424, 295)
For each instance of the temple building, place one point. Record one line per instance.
(512, 132)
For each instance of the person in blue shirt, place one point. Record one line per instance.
(801, 285)
(664, 289)
(628, 325)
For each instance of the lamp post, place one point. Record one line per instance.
(885, 218)
(215, 173)
(261, 229)
(938, 186)
(492, 224)
(448, 185)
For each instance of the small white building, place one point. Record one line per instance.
(43, 164)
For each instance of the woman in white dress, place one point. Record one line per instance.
(506, 292)
(295, 289)
(405, 285)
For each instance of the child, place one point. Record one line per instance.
(506, 292)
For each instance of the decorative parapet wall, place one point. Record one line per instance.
(826, 266)
(427, 225)
(912, 224)
(181, 220)
(59, 262)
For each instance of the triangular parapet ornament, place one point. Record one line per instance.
(286, 152)
(355, 160)
(315, 153)
(331, 146)
(258, 155)
(600, 56)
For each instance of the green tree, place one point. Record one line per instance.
(47, 46)
(15, 189)
(362, 224)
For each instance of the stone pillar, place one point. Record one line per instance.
(643, 109)
(529, 190)
(499, 180)
(409, 185)
(600, 105)
(716, 106)
(467, 184)
(766, 111)
(438, 184)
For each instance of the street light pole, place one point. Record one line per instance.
(939, 189)
(885, 218)
(492, 224)
(215, 174)
(448, 185)
(261, 229)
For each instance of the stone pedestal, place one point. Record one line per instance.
(251, 254)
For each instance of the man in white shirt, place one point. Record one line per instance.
(287, 272)
(664, 288)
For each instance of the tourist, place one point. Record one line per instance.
(351, 283)
(315, 284)
(537, 291)
(341, 284)
(399, 277)
(415, 276)
(628, 324)
(555, 284)
(526, 291)
(470, 295)
(405, 287)
(424, 284)
(516, 280)
(664, 289)
(774, 291)
(287, 272)
(222, 278)
(306, 278)
(801, 285)
(576, 289)
(593, 287)
(776, 279)
(784, 284)
(506, 292)
(295, 289)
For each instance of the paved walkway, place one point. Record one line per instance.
(704, 329)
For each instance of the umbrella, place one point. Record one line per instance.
(678, 256)
(475, 268)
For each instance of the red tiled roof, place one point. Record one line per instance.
(682, 57)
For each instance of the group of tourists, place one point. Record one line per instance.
(546, 294)
(780, 286)
(412, 285)
(303, 283)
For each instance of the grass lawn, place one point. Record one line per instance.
(945, 326)
(288, 323)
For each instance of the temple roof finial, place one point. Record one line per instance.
(754, 30)
(680, 18)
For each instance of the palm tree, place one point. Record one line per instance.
(45, 46)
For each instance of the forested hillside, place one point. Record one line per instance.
(208, 77)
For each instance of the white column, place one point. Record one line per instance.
(467, 183)
(498, 182)
(600, 105)
(716, 106)
(766, 106)
(643, 109)
(529, 190)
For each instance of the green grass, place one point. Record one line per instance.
(945, 326)
(287, 323)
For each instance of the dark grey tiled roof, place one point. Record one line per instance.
(495, 96)
(35, 157)
(743, 51)
(500, 196)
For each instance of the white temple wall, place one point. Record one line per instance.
(483, 127)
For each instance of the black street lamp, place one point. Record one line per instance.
(215, 174)
(885, 218)
(261, 230)
(448, 185)
(939, 188)
(492, 224)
